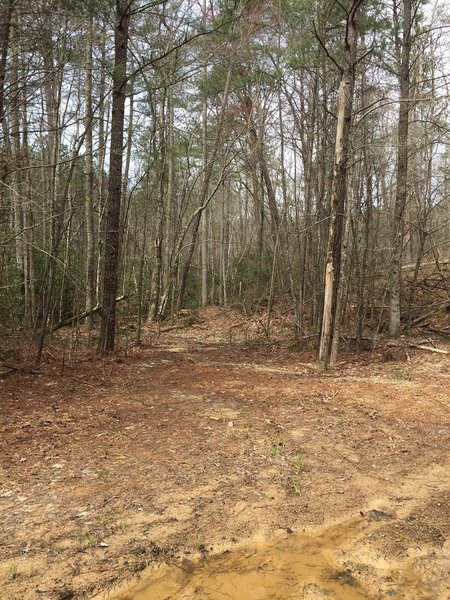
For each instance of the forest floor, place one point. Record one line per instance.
(208, 439)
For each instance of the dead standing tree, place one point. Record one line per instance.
(331, 306)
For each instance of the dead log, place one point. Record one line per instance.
(429, 349)
(436, 309)
(412, 266)
(445, 331)
(87, 313)
(13, 368)
(171, 328)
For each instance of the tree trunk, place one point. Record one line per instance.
(103, 118)
(204, 222)
(402, 174)
(89, 206)
(204, 191)
(52, 89)
(29, 260)
(5, 34)
(339, 190)
(258, 205)
(113, 203)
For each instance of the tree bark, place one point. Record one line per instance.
(5, 35)
(113, 203)
(89, 206)
(204, 223)
(339, 190)
(402, 174)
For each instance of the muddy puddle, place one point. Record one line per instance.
(292, 566)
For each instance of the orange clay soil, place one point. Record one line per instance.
(207, 439)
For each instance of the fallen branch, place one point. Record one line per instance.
(445, 331)
(171, 328)
(21, 369)
(428, 349)
(412, 266)
(436, 309)
(87, 313)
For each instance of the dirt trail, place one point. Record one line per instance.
(196, 446)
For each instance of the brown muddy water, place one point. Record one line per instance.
(292, 566)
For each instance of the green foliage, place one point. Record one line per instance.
(227, 15)
(303, 19)
(86, 8)
(400, 376)
(11, 297)
(299, 463)
(296, 487)
(192, 294)
(87, 539)
(246, 276)
(13, 570)
(200, 544)
(213, 83)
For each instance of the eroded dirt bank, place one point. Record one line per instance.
(194, 446)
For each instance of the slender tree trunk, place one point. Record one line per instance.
(29, 261)
(126, 195)
(402, 175)
(171, 216)
(141, 278)
(52, 93)
(339, 190)
(257, 147)
(364, 214)
(204, 221)
(159, 138)
(4, 48)
(258, 205)
(156, 282)
(5, 31)
(89, 206)
(17, 176)
(103, 112)
(204, 191)
(225, 241)
(339, 308)
(113, 203)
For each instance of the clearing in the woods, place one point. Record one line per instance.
(206, 464)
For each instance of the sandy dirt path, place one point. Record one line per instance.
(196, 446)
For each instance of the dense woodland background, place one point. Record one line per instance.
(186, 153)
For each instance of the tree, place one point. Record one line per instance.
(113, 202)
(331, 309)
(232, 187)
(401, 194)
